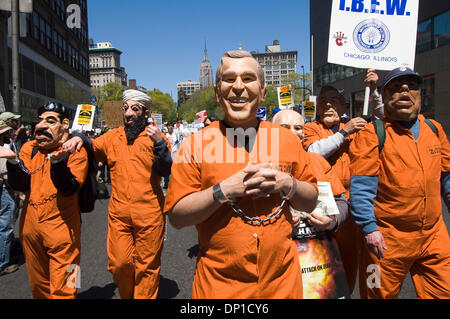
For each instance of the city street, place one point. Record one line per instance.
(178, 263)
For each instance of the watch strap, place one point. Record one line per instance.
(218, 195)
(343, 132)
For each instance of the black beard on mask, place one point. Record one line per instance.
(132, 131)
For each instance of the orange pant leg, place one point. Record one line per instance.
(403, 249)
(36, 258)
(63, 239)
(148, 248)
(348, 238)
(120, 246)
(431, 272)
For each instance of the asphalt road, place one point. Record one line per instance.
(178, 264)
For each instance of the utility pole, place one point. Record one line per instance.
(303, 67)
(312, 64)
(15, 33)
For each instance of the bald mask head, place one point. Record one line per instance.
(291, 120)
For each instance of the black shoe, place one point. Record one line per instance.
(9, 269)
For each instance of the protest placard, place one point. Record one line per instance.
(378, 34)
(285, 98)
(84, 118)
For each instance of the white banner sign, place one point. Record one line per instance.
(379, 34)
(158, 118)
(84, 118)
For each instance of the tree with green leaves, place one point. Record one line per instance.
(296, 81)
(110, 92)
(203, 99)
(162, 103)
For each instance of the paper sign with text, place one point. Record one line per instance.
(379, 34)
(84, 118)
(285, 98)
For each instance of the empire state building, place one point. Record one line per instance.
(206, 72)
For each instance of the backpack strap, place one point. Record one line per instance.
(432, 126)
(34, 151)
(380, 130)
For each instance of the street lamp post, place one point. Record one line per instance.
(15, 33)
(303, 68)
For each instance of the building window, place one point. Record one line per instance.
(60, 9)
(36, 26)
(48, 36)
(427, 95)
(28, 74)
(424, 36)
(433, 33)
(64, 50)
(442, 29)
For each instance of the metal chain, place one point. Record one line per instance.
(44, 201)
(256, 221)
(20, 162)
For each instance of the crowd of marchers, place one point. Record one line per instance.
(245, 184)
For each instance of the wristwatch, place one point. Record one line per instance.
(334, 223)
(219, 195)
(344, 133)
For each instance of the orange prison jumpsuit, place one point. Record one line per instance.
(135, 220)
(324, 173)
(238, 260)
(50, 228)
(407, 208)
(348, 235)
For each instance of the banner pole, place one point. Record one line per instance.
(366, 101)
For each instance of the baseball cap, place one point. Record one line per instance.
(6, 116)
(398, 72)
(4, 127)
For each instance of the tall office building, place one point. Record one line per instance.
(104, 65)
(206, 71)
(432, 52)
(276, 64)
(53, 58)
(186, 89)
(4, 91)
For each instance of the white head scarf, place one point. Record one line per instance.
(143, 99)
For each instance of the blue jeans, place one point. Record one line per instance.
(7, 206)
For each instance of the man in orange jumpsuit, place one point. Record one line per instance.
(229, 180)
(330, 137)
(137, 159)
(294, 121)
(396, 196)
(50, 226)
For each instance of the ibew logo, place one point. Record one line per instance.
(74, 16)
(371, 36)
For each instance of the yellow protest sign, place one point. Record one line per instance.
(285, 99)
(84, 118)
(309, 109)
(85, 115)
